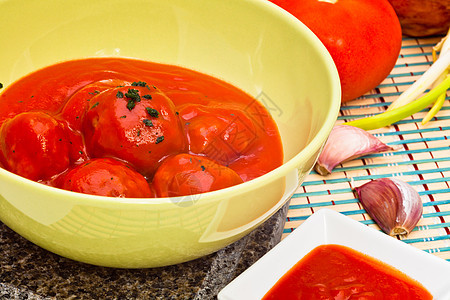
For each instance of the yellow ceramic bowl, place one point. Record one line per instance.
(250, 43)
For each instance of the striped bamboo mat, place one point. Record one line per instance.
(421, 158)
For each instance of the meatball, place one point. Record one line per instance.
(137, 124)
(34, 145)
(106, 177)
(187, 174)
(223, 135)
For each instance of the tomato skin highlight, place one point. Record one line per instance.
(34, 145)
(187, 174)
(106, 177)
(363, 37)
(111, 128)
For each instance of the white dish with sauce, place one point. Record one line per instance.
(329, 227)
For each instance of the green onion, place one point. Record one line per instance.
(407, 104)
(438, 104)
(389, 117)
(427, 79)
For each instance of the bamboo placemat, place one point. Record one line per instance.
(421, 158)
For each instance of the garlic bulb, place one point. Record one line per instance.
(393, 204)
(346, 143)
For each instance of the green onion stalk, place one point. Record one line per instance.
(407, 104)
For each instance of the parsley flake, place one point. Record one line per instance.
(148, 123)
(133, 94)
(152, 112)
(159, 139)
(119, 94)
(149, 97)
(139, 83)
(133, 97)
(131, 104)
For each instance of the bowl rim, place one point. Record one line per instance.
(314, 145)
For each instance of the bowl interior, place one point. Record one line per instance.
(251, 44)
(267, 59)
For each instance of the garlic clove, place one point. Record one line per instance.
(346, 143)
(393, 204)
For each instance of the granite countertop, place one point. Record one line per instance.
(30, 272)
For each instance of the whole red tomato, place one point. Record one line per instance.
(363, 37)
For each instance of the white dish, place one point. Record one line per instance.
(329, 227)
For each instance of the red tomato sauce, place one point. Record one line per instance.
(110, 126)
(338, 272)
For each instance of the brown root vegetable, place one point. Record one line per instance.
(420, 18)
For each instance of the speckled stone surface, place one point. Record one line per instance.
(29, 272)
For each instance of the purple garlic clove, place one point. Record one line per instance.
(393, 204)
(346, 143)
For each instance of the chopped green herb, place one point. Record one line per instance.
(133, 97)
(139, 83)
(152, 112)
(203, 168)
(159, 139)
(138, 132)
(81, 152)
(94, 93)
(131, 104)
(149, 97)
(119, 94)
(177, 113)
(148, 123)
(133, 94)
(123, 117)
(95, 105)
(32, 96)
